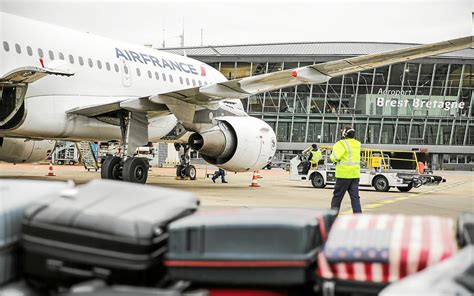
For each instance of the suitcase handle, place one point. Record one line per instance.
(58, 266)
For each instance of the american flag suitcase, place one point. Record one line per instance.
(365, 252)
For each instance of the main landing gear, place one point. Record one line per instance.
(185, 169)
(134, 127)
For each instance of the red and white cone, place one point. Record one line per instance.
(254, 180)
(259, 175)
(50, 170)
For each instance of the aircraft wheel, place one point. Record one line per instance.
(190, 172)
(381, 184)
(180, 172)
(317, 181)
(135, 169)
(406, 189)
(111, 168)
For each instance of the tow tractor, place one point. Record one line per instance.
(376, 170)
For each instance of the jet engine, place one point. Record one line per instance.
(20, 150)
(237, 144)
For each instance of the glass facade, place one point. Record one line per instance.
(407, 103)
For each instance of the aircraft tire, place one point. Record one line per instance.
(111, 168)
(191, 172)
(135, 170)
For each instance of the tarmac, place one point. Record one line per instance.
(276, 190)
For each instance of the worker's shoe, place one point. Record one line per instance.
(213, 180)
(225, 182)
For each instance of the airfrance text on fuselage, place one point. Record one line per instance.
(160, 62)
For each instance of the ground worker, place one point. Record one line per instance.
(315, 156)
(346, 155)
(219, 173)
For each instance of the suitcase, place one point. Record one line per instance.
(465, 229)
(454, 276)
(366, 252)
(110, 230)
(15, 196)
(99, 288)
(267, 247)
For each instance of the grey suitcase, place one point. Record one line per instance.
(99, 288)
(15, 196)
(116, 231)
(265, 247)
(453, 276)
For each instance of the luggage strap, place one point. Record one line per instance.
(322, 226)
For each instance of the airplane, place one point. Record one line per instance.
(57, 83)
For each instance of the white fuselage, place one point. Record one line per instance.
(110, 71)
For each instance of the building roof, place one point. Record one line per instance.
(303, 49)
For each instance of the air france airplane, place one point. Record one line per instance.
(56, 83)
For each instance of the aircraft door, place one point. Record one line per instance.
(126, 73)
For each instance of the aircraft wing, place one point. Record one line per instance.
(318, 73)
(244, 87)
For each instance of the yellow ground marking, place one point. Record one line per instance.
(388, 201)
(397, 199)
(372, 206)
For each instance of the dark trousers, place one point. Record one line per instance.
(343, 185)
(219, 173)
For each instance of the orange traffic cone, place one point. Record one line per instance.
(258, 174)
(50, 170)
(254, 180)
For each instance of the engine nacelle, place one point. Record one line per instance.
(20, 150)
(236, 144)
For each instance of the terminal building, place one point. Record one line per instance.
(425, 104)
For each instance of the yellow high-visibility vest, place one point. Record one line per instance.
(346, 155)
(316, 157)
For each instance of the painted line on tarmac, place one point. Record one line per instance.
(401, 198)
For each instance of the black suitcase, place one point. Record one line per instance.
(465, 229)
(99, 288)
(276, 247)
(105, 229)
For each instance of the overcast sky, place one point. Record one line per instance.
(256, 21)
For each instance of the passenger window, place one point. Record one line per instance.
(71, 59)
(149, 74)
(40, 53)
(138, 72)
(61, 56)
(107, 65)
(89, 61)
(157, 76)
(205, 82)
(51, 55)
(194, 82)
(180, 79)
(99, 64)
(125, 69)
(187, 81)
(171, 78)
(6, 47)
(199, 82)
(81, 61)
(116, 67)
(17, 48)
(164, 76)
(29, 50)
